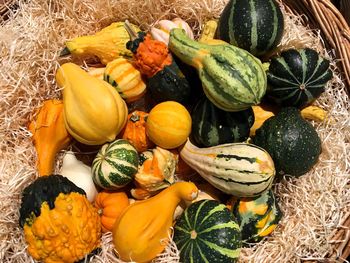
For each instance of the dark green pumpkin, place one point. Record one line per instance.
(207, 232)
(254, 25)
(297, 77)
(292, 142)
(212, 126)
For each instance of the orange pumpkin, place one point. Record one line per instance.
(110, 205)
(135, 131)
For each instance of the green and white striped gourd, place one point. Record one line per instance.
(232, 78)
(297, 77)
(115, 164)
(207, 232)
(239, 169)
(254, 25)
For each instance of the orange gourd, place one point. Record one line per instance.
(135, 131)
(49, 134)
(110, 205)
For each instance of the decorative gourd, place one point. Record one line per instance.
(297, 77)
(80, 174)
(292, 142)
(110, 205)
(233, 79)
(127, 80)
(115, 164)
(212, 126)
(94, 112)
(257, 217)
(165, 81)
(208, 31)
(96, 72)
(207, 232)
(141, 238)
(156, 171)
(135, 131)
(239, 169)
(107, 44)
(59, 223)
(254, 25)
(49, 134)
(168, 124)
(162, 33)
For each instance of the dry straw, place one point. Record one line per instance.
(316, 207)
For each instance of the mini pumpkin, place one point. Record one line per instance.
(135, 131)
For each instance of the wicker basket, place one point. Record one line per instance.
(322, 15)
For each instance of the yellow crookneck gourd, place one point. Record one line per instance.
(94, 112)
(107, 44)
(144, 228)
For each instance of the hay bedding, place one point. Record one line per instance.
(314, 205)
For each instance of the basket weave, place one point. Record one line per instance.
(324, 16)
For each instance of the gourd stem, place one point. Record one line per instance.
(132, 34)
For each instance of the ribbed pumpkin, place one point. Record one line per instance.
(297, 77)
(135, 131)
(127, 80)
(232, 78)
(207, 232)
(254, 25)
(115, 164)
(168, 124)
(212, 126)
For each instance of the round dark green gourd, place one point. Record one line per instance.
(292, 142)
(212, 126)
(44, 189)
(297, 77)
(207, 232)
(254, 25)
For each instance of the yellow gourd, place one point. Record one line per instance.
(208, 32)
(94, 111)
(144, 228)
(107, 44)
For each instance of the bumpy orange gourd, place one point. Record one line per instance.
(49, 134)
(66, 233)
(144, 228)
(135, 131)
(168, 124)
(110, 205)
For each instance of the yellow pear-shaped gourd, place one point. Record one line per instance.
(144, 228)
(94, 112)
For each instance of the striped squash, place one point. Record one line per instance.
(115, 164)
(232, 78)
(212, 126)
(297, 77)
(254, 25)
(207, 232)
(127, 80)
(239, 169)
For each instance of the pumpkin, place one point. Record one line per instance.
(49, 134)
(160, 31)
(207, 232)
(165, 80)
(135, 131)
(156, 171)
(115, 164)
(232, 78)
(254, 25)
(80, 174)
(292, 142)
(59, 223)
(125, 78)
(297, 77)
(168, 124)
(142, 238)
(110, 205)
(239, 169)
(107, 44)
(94, 112)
